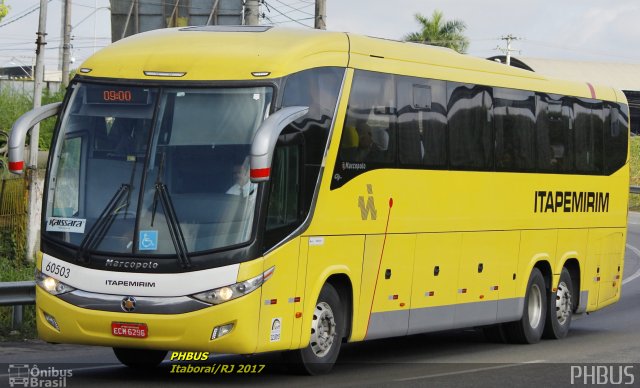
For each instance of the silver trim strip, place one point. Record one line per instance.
(582, 303)
(430, 319)
(144, 304)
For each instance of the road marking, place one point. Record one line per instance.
(465, 371)
(637, 273)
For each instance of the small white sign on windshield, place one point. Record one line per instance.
(69, 225)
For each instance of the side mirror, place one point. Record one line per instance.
(266, 138)
(19, 133)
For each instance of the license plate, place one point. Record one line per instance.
(127, 329)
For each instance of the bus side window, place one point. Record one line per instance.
(554, 127)
(514, 115)
(284, 209)
(615, 137)
(469, 112)
(588, 136)
(66, 201)
(422, 122)
(368, 135)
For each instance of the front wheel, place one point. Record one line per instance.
(140, 358)
(528, 330)
(560, 308)
(327, 330)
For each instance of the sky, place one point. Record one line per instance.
(584, 30)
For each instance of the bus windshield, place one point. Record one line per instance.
(143, 170)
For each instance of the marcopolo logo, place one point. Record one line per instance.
(25, 375)
(131, 264)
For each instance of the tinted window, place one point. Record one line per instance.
(318, 89)
(368, 140)
(422, 122)
(615, 137)
(283, 212)
(470, 126)
(514, 117)
(554, 134)
(588, 124)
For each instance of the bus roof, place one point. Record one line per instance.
(239, 52)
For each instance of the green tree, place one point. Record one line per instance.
(438, 32)
(4, 10)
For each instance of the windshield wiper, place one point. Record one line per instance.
(175, 230)
(120, 200)
(97, 232)
(177, 237)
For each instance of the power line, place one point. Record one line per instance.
(15, 19)
(297, 9)
(288, 17)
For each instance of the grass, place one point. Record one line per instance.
(14, 104)
(12, 270)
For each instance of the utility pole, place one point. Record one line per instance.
(66, 43)
(33, 212)
(251, 12)
(509, 38)
(321, 15)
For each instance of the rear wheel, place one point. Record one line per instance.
(327, 330)
(529, 328)
(560, 308)
(140, 358)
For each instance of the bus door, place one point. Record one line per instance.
(282, 295)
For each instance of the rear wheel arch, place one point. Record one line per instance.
(573, 266)
(343, 286)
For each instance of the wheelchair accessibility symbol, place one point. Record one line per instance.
(148, 240)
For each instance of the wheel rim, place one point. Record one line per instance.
(323, 330)
(563, 303)
(535, 306)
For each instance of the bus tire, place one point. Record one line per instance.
(560, 308)
(140, 358)
(529, 329)
(327, 330)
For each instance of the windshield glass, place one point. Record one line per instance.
(155, 171)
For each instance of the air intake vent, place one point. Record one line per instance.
(228, 28)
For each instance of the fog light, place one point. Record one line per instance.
(220, 331)
(51, 320)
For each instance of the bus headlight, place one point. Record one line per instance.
(227, 293)
(51, 285)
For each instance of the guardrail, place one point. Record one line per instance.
(18, 294)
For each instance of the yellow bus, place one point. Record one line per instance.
(255, 189)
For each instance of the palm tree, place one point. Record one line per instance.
(4, 9)
(437, 32)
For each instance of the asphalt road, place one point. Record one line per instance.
(602, 348)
